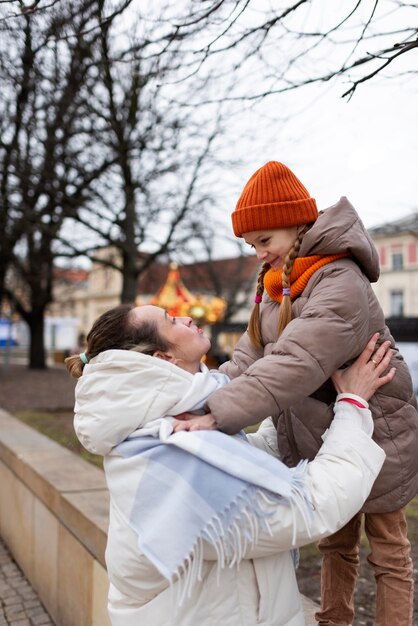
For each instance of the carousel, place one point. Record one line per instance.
(177, 300)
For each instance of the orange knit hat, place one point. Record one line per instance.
(273, 198)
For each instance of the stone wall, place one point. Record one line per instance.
(53, 517)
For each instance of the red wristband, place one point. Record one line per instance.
(352, 401)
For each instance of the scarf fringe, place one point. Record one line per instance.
(230, 532)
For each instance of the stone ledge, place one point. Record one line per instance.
(71, 488)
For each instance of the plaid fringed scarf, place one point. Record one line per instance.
(178, 490)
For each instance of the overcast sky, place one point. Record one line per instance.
(365, 148)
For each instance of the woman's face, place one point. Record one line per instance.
(189, 344)
(273, 245)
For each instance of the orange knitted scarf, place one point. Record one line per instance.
(303, 268)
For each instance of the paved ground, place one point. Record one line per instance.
(19, 604)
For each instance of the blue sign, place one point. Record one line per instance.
(7, 333)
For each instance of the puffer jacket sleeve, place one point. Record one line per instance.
(292, 426)
(332, 328)
(265, 438)
(244, 355)
(336, 484)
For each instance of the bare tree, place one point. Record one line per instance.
(43, 64)
(87, 141)
(145, 205)
(298, 43)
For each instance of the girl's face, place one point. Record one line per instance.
(273, 245)
(189, 344)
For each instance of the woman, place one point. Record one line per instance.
(182, 550)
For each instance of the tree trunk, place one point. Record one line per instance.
(37, 353)
(130, 252)
(129, 286)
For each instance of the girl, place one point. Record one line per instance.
(314, 312)
(184, 508)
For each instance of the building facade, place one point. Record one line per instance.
(397, 287)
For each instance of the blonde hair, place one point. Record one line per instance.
(285, 309)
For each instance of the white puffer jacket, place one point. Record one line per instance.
(121, 391)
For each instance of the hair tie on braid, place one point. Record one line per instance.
(285, 309)
(258, 299)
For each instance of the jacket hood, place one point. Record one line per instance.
(340, 229)
(121, 391)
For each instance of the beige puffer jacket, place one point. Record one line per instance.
(335, 316)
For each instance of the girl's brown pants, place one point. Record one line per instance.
(390, 557)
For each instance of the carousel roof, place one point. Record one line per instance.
(177, 300)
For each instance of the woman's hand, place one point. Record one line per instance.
(367, 373)
(189, 421)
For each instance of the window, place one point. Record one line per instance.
(397, 261)
(396, 303)
(382, 255)
(412, 253)
(107, 277)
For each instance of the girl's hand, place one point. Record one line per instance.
(367, 373)
(194, 422)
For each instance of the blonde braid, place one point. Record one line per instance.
(285, 309)
(254, 325)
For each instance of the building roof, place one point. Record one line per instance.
(70, 276)
(405, 225)
(204, 276)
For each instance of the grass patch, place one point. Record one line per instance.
(59, 427)
(253, 428)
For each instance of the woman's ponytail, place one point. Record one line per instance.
(74, 365)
